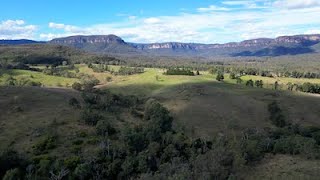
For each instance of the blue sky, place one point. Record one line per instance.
(201, 21)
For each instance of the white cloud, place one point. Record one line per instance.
(213, 24)
(56, 25)
(152, 20)
(16, 29)
(313, 31)
(212, 8)
(297, 4)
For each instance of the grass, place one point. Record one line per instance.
(28, 113)
(285, 167)
(45, 80)
(202, 105)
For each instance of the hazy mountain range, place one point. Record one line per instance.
(111, 44)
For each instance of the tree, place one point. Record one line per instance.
(198, 73)
(259, 83)
(249, 83)
(220, 76)
(12, 174)
(276, 116)
(104, 128)
(232, 75)
(290, 86)
(239, 80)
(276, 85)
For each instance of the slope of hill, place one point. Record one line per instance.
(46, 54)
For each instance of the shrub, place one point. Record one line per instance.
(276, 115)
(12, 174)
(90, 117)
(47, 143)
(77, 86)
(158, 115)
(82, 171)
(71, 162)
(232, 75)
(249, 83)
(220, 76)
(74, 103)
(104, 128)
(296, 144)
(179, 71)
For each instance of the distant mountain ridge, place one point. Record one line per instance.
(283, 45)
(18, 42)
(112, 44)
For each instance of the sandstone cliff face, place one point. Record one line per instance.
(284, 45)
(88, 39)
(301, 39)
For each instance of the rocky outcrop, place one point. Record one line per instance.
(88, 40)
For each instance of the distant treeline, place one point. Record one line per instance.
(305, 87)
(179, 71)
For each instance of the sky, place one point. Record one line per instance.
(146, 21)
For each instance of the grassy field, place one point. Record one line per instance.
(200, 104)
(45, 80)
(285, 167)
(205, 106)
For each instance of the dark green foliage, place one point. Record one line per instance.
(71, 162)
(179, 71)
(249, 83)
(88, 83)
(158, 114)
(77, 86)
(129, 71)
(12, 174)
(60, 71)
(45, 144)
(232, 75)
(259, 83)
(276, 116)
(215, 164)
(74, 103)
(276, 85)
(310, 88)
(91, 117)
(104, 128)
(296, 144)
(254, 144)
(99, 68)
(220, 76)
(10, 160)
(82, 171)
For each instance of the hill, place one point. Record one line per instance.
(19, 41)
(46, 54)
